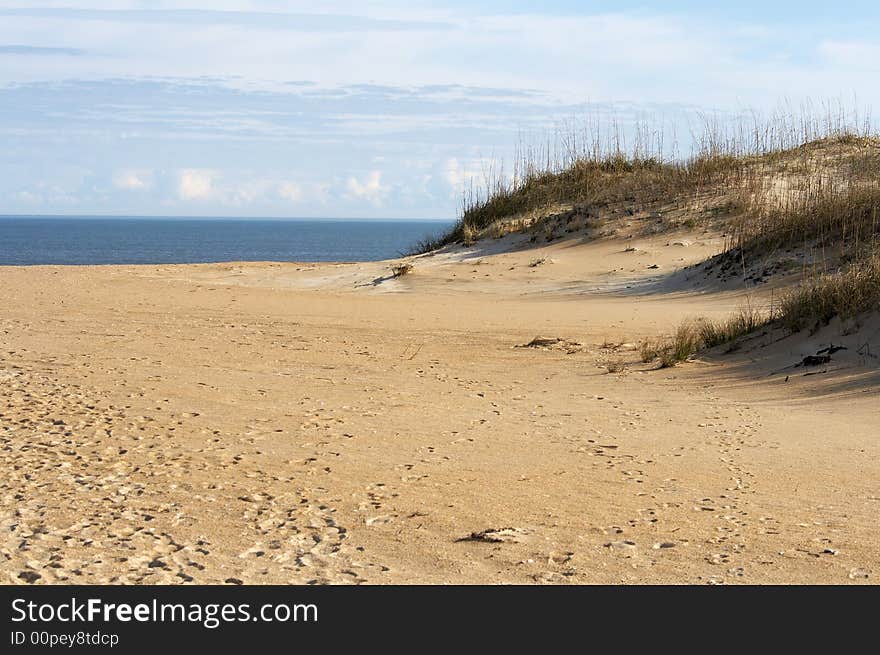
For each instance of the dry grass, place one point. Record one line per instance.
(824, 215)
(854, 291)
(803, 183)
(593, 165)
(428, 244)
(747, 320)
(650, 349)
(695, 335)
(615, 366)
(677, 348)
(847, 294)
(685, 343)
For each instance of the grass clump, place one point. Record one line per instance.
(428, 244)
(686, 341)
(683, 344)
(615, 366)
(695, 335)
(650, 349)
(716, 333)
(846, 294)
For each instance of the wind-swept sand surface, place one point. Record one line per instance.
(284, 423)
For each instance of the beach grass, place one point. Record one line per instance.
(845, 294)
(595, 165)
(804, 182)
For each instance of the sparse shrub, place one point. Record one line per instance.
(468, 233)
(650, 349)
(615, 366)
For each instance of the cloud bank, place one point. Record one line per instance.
(267, 108)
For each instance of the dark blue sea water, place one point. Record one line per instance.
(124, 240)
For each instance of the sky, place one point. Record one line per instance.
(265, 108)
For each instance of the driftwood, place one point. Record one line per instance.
(401, 269)
(814, 360)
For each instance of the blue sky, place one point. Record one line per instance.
(380, 109)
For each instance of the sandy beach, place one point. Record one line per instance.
(328, 423)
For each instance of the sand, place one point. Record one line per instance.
(326, 423)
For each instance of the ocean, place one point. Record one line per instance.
(128, 240)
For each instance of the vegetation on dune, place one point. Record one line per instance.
(830, 186)
(799, 183)
(810, 305)
(594, 167)
(843, 212)
(695, 335)
(846, 294)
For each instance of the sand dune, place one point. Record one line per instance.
(328, 423)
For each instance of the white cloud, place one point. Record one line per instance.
(461, 174)
(371, 188)
(28, 197)
(457, 174)
(668, 56)
(236, 188)
(195, 183)
(290, 191)
(327, 117)
(246, 193)
(860, 55)
(133, 180)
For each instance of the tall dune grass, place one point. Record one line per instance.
(825, 192)
(806, 180)
(600, 162)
